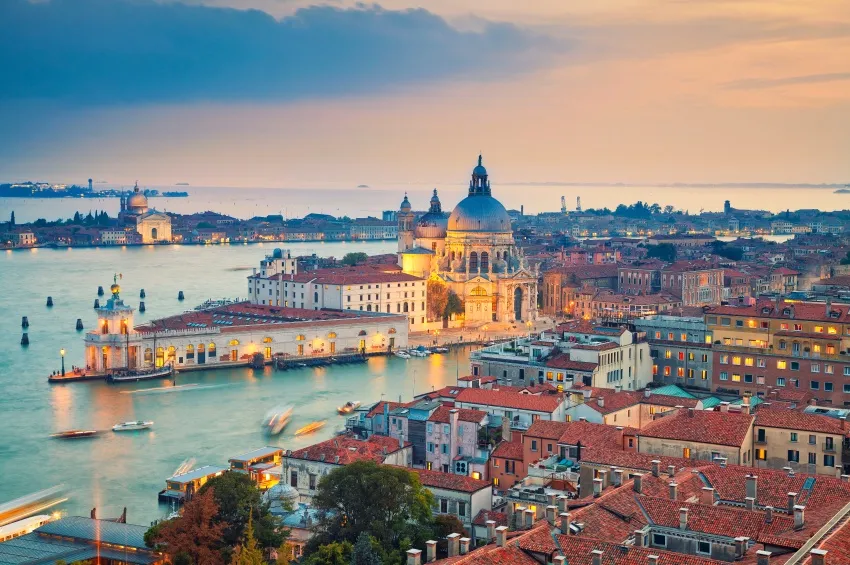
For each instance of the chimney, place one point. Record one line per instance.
(741, 546)
(562, 502)
(597, 487)
(674, 490)
(768, 514)
(336, 459)
(763, 557)
(683, 518)
(652, 560)
(750, 503)
(656, 467)
(565, 523)
(638, 483)
(752, 486)
(414, 557)
(596, 558)
(464, 546)
(723, 461)
(506, 428)
(792, 500)
(690, 412)
(601, 401)
(845, 478)
(430, 551)
(671, 470)
(799, 516)
(640, 539)
(552, 498)
(491, 530)
(724, 406)
(604, 476)
(818, 556)
(707, 496)
(618, 477)
(551, 512)
(401, 440)
(559, 560)
(454, 544)
(501, 535)
(529, 518)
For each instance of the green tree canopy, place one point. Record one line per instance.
(363, 553)
(352, 259)
(454, 305)
(248, 553)
(664, 251)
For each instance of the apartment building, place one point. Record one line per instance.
(808, 443)
(697, 283)
(680, 348)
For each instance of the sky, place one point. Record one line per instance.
(288, 93)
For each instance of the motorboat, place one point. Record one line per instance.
(132, 426)
(277, 418)
(135, 376)
(402, 354)
(74, 434)
(418, 353)
(349, 407)
(440, 350)
(310, 428)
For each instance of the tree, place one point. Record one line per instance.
(335, 553)
(383, 501)
(238, 499)
(454, 305)
(284, 554)
(352, 259)
(248, 553)
(438, 298)
(445, 524)
(664, 251)
(363, 553)
(183, 558)
(197, 533)
(204, 225)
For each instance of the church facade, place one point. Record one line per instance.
(152, 225)
(472, 251)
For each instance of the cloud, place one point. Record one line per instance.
(756, 83)
(132, 51)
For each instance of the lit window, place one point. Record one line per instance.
(680, 372)
(781, 364)
(832, 330)
(748, 361)
(668, 354)
(736, 378)
(736, 360)
(819, 329)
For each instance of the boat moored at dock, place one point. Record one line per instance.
(132, 426)
(74, 434)
(349, 407)
(135, 376)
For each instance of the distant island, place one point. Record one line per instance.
(842, 191)
(182, 184)
(175, 194)
(362, 186)
(47, 190)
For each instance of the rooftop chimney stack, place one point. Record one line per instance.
(792, 500)
(414, 557)
(768, 514)
(741, 546)
(674, 490)
(763, 557)
(724, 406)
(565, 523)
(559, 560)
(656, 467)
(638, 483)
(752, 486)
(597, 487)
(640, 538)
(454, 544)
(529, 518)
(491, 530)
(750, 503)
(464, 546)
(618, 477)
(562, 503)
(596, 558)
(604, 476)
(818, 556)
(551, 512)
(707, 496)
(430, 551)
(799, 517)
(683, 518)
(671, 471)
(652, 560)
(501, 536)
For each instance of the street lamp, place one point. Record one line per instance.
(62, 355)
(528, 323)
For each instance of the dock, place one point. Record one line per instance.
(285, 363)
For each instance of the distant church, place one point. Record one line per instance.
(473, 252)
(152, 225)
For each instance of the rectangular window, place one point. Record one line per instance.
(781, 364)
(668, 354)
(813, 458)
(736, 378)
(793, 456)
(816, 367)
(793, 437)
(704, 374)
(704, 547)
(312, 478)
(293, 479)
(829, 461)
(534, 445)
(736, 360)
(815, 385)
(666, 371)
(724, 376)
(461, 508)
(795, 366)
(444, 506)
(846, 389)
(780, 381)
(827, 387)
(724, 359)
(783, 326)
(761, 454)
(847, 370)
(681, 356)
(659, 539)
(827, 368)
(819, 329)
(680, 372)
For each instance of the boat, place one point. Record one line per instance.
(417, 353)
(277, 418)
(74, 434)
(135, 376)
(402, 354)
(310, 428)
(349, 407)
(440, 350)
(131, 426)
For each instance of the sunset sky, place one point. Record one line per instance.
(282, 93)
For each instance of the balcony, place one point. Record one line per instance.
(760, 441)
(829, 446)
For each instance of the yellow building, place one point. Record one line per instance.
(808, 443)
(154, 227)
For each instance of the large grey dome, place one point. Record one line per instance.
(480, 213)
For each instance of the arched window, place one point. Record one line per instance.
(453, 255)
(104, 327)
(172, 353)
(299, 337)
(368, 307)
(200, 348)
(267, 340)
(362, 332)
(398, 307)
(160, 357)
(392, 331)
(211, 350)
(473, 261)
(148, 355)
(478, 291)
(332, 335)
(124, 328)
(234, 342)
(485, 261)
(405, 306)
(190, 351)
(388, 308)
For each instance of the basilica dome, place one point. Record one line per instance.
(433, 224)
(479, 212)
(138, 202)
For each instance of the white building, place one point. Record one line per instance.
(457, 495)
(113, 237)
(231, 335)
(366, 288)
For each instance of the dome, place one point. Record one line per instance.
(432, 224)
(277, 253)
(282, 491)
(138, 201)
(480, 213)
(405, 205)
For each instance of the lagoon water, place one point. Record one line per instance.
(217, 420)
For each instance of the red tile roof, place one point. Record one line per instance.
(578, 551)
(795, 420)
(563, 361)
(614, 401)
(471, 378)
(508, 450)
(837, 545)
(379, 408)
(447, 481)
(546, 403)
(812, 311)
(483, 516)
(349, 450)
(360, 274)
(634, 460)
(546, 429)
(717, 428)
(441, 415)
(594, 435)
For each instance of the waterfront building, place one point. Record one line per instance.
(153, 226)
(113, 237)
(473, 252)
(181, 488)
(232, 334)
(262, 465)
(364, 288)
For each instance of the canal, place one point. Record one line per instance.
(211, 422)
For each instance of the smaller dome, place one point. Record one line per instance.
(479, 170)
(282, 491)
(115, 288)
(138, 201)
(277, 253)
(405, 204)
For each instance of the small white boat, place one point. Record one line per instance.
(417, 353)
(277, 418)
(131, 426)
(440, 350)
(402, 354)
(349, 407)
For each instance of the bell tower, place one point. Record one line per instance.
(112, 344)
(405, 226)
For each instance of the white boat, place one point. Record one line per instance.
(349, 407)
(131, 426)
(402, 354)
(440, 350)
(417, 353)
(277, 418)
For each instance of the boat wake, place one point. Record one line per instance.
(170, 389)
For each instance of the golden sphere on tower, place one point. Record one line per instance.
(115, 288)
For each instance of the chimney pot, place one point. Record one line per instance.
(597, 556)
(529, 518)
(551, 512)
(671, 471)
(617, 475)
(707, 495)
(559, 560)
(638, 483)
(792, 500)
(562, 503)
(768, 514)
(656, 467)
(763, 557)
(565, 523)
(640, 540)
(414, 557)
(845, 478)
(818, 556)
(683, 518)
(750, 503)
(464, 546)
(454, 544)
(430, 550)
(674, 489)
(724, 406)
(799, 516)
(741, 546)
(491, 530)
(501, 536)
(652, 560)
(597, 487)
(752, 486)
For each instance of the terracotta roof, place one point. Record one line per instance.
(668, 400)
(614, 401)
(812, 311)
(508, 450)
(483, 516)
(578, 551)
(717, 428)
(547, 403)
(448, 481)
(563, 361)
(837, 545)
(441, 415)
(361, 274)
(634, 460)
(470, 378)
(349, 450)
(546, 429)
(796, 420)
(379, 408)
(594, 435)
(597, 346)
